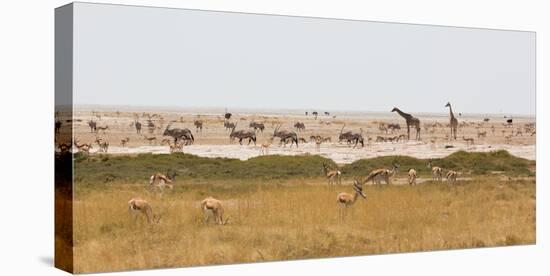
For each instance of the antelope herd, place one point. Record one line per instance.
(353, 138)
(357, 137)
(212, 207)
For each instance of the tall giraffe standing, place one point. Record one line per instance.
(411, 121)
(454, 121)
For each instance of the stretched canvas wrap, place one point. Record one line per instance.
(189, 137)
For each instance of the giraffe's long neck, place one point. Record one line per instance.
(402, 114)
(451, 112)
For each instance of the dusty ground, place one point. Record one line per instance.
(213, 141)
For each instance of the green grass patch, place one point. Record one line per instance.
(104, 169)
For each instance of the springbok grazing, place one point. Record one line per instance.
(242, 134)
(257, 126)
(213, 207)
(300, 126)
(302, 140)
(264, 149)
(346, 200)
(451, 176)
(412, 176)
(469, 141)
(333, 176)
(437, 172)
(159, 180)
(103, 145)
(93, 126)
(150, 139)
(284, 135)
(102, 128)
(453, 121)
(124, 141)
(179, 134)
(380, 139)
(410, 121)
(137, 124)
(141, 206)
(198, 124)
(379, 175)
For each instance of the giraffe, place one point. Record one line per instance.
(411, 121)
(454, 121)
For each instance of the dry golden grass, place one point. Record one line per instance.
(293, 219)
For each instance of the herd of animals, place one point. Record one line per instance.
(176, 138)
(214, 207)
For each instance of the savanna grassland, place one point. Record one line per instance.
(281, 208)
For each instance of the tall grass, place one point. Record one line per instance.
(295, 218)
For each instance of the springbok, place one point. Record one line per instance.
(318, 141)
(346, 200)
(124, 141)
(211, 206)
(159, 180)
(85, 148)
(333, 176)
(150, 139)
(264, 149)
(469, 141)
(437, 172)
(103, 145)
(385, 175)
(451, 176)
(412, 177)
(141, 206)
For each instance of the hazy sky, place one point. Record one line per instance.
(169, 57)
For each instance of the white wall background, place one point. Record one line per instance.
(27, 99)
